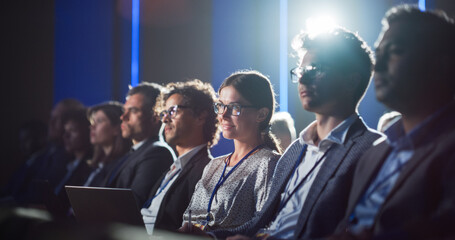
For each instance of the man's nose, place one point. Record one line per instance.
(166, 118)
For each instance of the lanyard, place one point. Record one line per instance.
(149, 202)
(223, 178)
(284, 202)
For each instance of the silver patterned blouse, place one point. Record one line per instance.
(242, 194)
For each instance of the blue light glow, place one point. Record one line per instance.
(135, 43)
(283, 55)
(422, 5)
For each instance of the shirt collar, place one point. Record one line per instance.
(182, 160)
(423, 132)
(337, 135)
(138, 145)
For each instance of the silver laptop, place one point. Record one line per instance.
(104, 205)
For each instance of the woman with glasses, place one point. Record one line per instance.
(106, 137)
(235, 186)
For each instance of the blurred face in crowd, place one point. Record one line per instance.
(137, 121)
(246, 124)
(102, 132)
(179, 121)
(55, 130)
(400, 77)
(75, 137)
(321, 87)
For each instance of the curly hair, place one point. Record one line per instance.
(200, 96)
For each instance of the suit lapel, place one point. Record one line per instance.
(284, 167)
(419, 156)
(327, 170)
(131, 155)
(367, 174)
(181, 177)
(281, 175)
(334, 159)
(187, 169)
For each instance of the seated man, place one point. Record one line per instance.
(312, 180)
(150, 157)
(403, 187)
(191, 126)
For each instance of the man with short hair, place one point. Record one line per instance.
(403, 187)
(312, 179)
(150, 157)
(191, 126)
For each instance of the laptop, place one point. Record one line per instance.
(104, 205)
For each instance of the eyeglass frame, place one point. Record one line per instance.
(231, 107)
(298, 72)
(163, 114)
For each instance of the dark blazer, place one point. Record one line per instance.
(178, 196)
(421, 205)
(327, 199)
(78, 178)
(101, 179)
(141, 169)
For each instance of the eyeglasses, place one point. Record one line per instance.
(171, 112)
(233, 109)
(312, 71)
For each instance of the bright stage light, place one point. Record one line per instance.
(316, 25)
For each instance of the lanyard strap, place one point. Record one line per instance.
(286, 200)
(149, 202)
(223, 178)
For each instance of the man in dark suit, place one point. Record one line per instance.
(191, 126)
(404, 186)
(142, 167)
(311, 182)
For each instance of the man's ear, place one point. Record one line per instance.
(262, 114)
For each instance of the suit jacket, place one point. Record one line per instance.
(327, 198)
(179, 194)
(101, 179)
(421, 204)
(141, 169)
(77, 178)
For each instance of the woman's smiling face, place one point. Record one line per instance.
(243, 126)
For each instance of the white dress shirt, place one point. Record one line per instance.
(285, 223)
(149, 214)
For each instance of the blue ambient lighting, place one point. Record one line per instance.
(284, 55)
(422, 5)
(135, 43)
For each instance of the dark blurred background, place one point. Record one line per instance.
(56, 49)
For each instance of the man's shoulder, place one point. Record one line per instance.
(202, 157)
(152, 149)
(361, 133)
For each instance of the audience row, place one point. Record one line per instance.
(338, 179)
